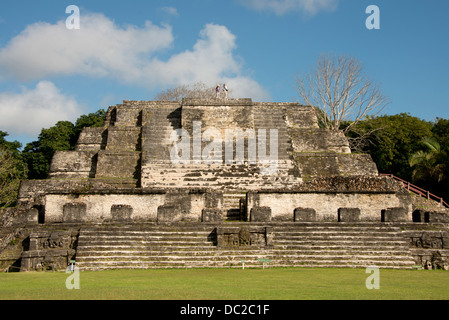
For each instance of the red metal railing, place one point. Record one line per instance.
(417, 190)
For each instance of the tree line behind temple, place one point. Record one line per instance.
(406, 146)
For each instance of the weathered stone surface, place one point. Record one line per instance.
(74, 212)
(318, 140)
(33, 216)
(73, 164)
(118, 164)
(439, 217)
(260, 214)
(121, 212)
(121, 179)
(169, 213)
(348, 214)
(92, 139)
(244, 237)
(395, 215)
(304, 215)
(326, 203)
(124, 138)
(211, 215)
(49, 250)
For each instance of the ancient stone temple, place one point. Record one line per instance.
(215, 182)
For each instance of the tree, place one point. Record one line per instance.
(13, 146)
(430, 164)
(440, 132)
(12, 170)
(391, 140)
(95, 119)
(38, 154)
(338, 87)
(197, 91)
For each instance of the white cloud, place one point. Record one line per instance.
(101, 48)
(280, 7)
(26, 113)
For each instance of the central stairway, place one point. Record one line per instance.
(194, 246)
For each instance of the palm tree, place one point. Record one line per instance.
(431, 164)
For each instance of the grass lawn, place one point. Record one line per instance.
(227, 284)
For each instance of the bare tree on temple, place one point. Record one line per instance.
(338, 87)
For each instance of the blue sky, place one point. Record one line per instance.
(131, 50)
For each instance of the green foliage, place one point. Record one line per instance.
(429, 164)
(440, 132)
(13, 146)
(408, 147)
(38, 154)
(391, 140)
(95, 119)
(34, 161)
(431, 167)
(12, 170)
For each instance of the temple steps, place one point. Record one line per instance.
(231, 205)
(194, 246)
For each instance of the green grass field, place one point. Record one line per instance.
(228, 284)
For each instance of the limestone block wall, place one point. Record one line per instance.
(299, 116)
(318, 140)
(146, 207)
(123, 138)
(326, 205)
(313, 165)
(72, 164)
(97, 208)
(127, 114)
(118, 164)
(92, 139)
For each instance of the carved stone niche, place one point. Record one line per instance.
(244, 237)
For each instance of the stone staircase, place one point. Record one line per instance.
(156, 144)
(158, 171)
(273, 118)
(194, 246)
(231, 204)
(341, 245)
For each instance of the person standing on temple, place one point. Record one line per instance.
(225, 90)
(217, 91)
